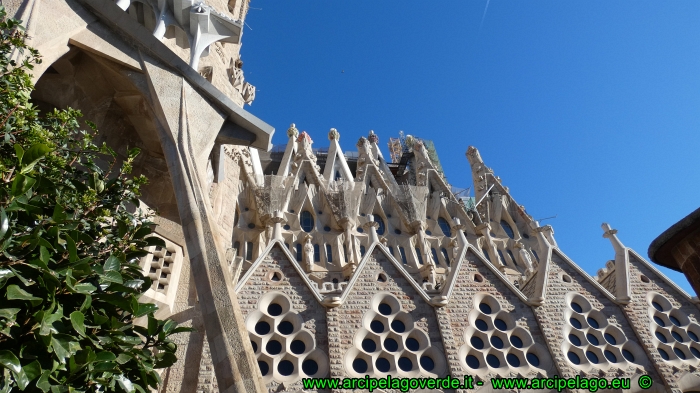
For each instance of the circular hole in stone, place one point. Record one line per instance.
(381, 277)
(369, 345)
(478, 278)
(285, 327)
(695, 352)
(657, 306)
(575, 323)
(610, 338)
(533, 359)
(405, 364)
(493, 361)
(472, 361)
(674, 320)
(566, 278)
(481, 325)
(661, 337)
(476, 342)
(264, 367)
(693, 336)
(376, 326)
(276, 276)
(679, 353)
(297, 347)
(575, 340)
(427, 363)
(485, 308)
(397, 231)
(677, 337)
(628, 355)
(398, 326)
(592, 339)
(274, 309)
(262, 328)
(360, 229)
(359, 365)
(573, 358)
(384, 309)
(285, 367)
(663, 354)
(496, 342)
(592, 322)
(309, 367)
(500, 324)
(255, 346)
(251, 225)
(391, 345)
(382, 365)
(516, 341)
(413, 345)
(287, 227)
(576, 307)
(610, 356)
(659, 321)
(513, 360)
(273, 347)
(592, 357)
(644, 279)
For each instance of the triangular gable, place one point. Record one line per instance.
(448, 289)
(582, 272)
(636, 258)
(397, 265)
(291, 260)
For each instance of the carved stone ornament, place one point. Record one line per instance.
(292, 132)
(333, 134)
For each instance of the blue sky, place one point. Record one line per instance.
(586, 110)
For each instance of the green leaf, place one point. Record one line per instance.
(85, 288)
(21, 184)
(165, 359)
(9, 361)
(124, 358)
(112, 276)
(44, 255)
(30, 371)
(125, 383)
(72, 250)
(112, 263)
(20, 152)
(16, 293)
(33, 156)
(59, 214)
(105, 357)
(142, 232)
(5, 274)
(61, 344)
(4, 223)
(152, 325)
(9, 313)
(183, 329)
(43, 381)
(155, 241)
(77, 319)
(144, 309)
(169, 325)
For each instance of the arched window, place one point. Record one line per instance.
(381, 228)
(391, 250)
(500, 255)
(506, 227)
(445, 226)
(420, 257)
(435, 257)
(444, 254)
(403, 255)
(510, 254)
(362, 251)
(249, 251)
(317, 253)
(345, 252)
(329, 253)
(535, 254)
(237, 246)
(486, 253)
(306, 219)
(299, 254)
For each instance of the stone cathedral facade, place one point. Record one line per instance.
(303, 262)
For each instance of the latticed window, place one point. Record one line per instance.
(420, 258)
(249, 251)
(445, 226)
(306, 219)
(403, 255)
(329, 253)
(435, 256)
(444, 254)
(362, 251)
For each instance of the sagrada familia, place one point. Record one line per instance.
(303, 262)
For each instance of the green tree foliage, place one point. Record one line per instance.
(69, 250)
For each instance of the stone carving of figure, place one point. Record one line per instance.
(524, 256)
(308, 253)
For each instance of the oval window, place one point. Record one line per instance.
(381, 228)
(506, 227)
(445, 226)
(306, 219)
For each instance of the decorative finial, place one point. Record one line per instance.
(372, 137)
(292, 132)
(333, 134)
(409, 141)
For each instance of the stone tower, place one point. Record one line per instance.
(301, 262)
